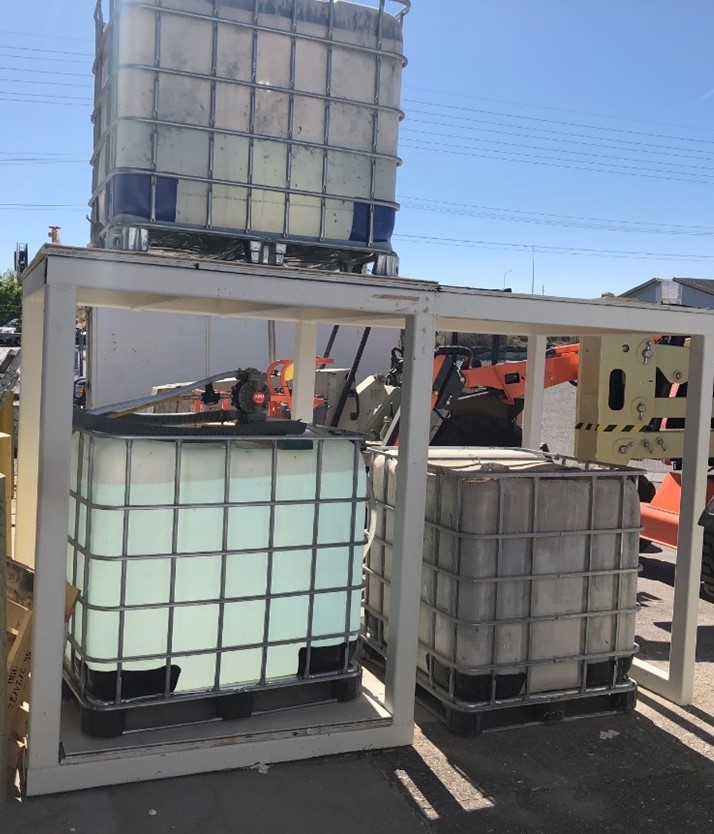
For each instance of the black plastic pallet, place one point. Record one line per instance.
(560, 707)
(510, 716)
(111, 722)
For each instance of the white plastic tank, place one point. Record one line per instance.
(261, 120)
(529, 579)
(225, 559)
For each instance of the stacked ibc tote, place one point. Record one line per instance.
(216, 563)
(266, 128)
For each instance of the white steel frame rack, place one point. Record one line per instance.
(61, 278)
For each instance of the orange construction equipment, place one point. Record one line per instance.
(280, 378)
(509, 378)
(660, 518)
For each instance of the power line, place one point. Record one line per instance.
(553, 250)
(553, 162)
(556, 220)
(11, 164)
(29, 207)
(501, 144)
(48, 95)
(441, 93)
(517, 132)
(46, 72)
(37, 153)
(44, 102)
(53, 37)
(72, 61)
(45, 83)
(45, 51)
(539, 119)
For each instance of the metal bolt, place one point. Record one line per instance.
(625, 448)
(641, 409)
(662, 444)
(625, 348)
(678, 375)
(648, 445)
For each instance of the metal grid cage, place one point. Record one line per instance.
(212, 566)
(280, 127)
(491, 632)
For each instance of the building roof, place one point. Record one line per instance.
(639, 287)
(703, 284)
(669, 291)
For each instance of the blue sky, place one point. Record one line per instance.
(578, 132)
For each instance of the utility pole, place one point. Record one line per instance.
(532, 270)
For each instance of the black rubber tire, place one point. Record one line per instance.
(708, 564)
(646, 489)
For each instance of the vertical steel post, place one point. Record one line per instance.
(695, 466)
(53, 392)
(304, 372)
(409, 522)
(535, 381)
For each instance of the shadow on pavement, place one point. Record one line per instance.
(659, 649)
(610, 773)
(556, 780)
(660, 570)
(676, 716)
(657, 570)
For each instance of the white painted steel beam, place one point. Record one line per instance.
(55, 391)
(695, 467)
(121, 767)
(304, 372)
(405, 592)
(131, 273)
(471, 311)
(533, 409)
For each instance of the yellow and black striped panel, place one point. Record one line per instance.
(612, 428)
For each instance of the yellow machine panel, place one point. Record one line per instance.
(630, 405)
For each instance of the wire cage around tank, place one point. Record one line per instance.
(258, 128)
(529, 578)
(212, 566)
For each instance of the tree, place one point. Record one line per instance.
(10, 298)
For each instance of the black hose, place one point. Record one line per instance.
(184, 425)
